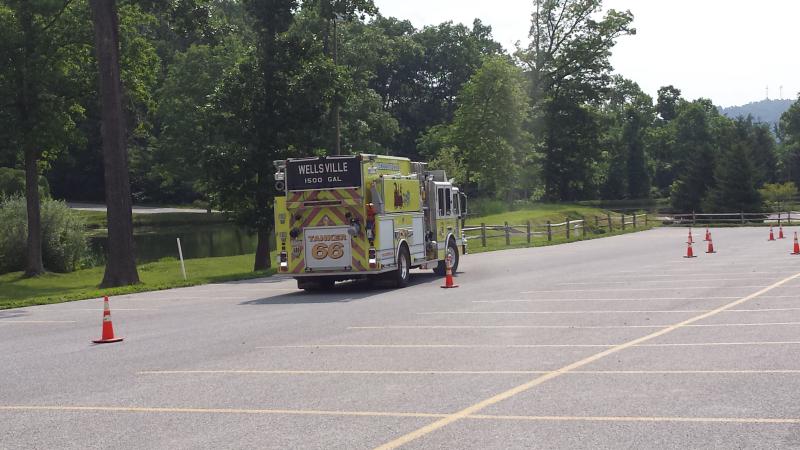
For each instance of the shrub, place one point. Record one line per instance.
(64, 243)
(12, 183)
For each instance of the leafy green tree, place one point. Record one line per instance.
(39, 108)
(669, 99)
(694, 156)
(266, 109)
(734, 183)
(488, 127)
(789, 133)
(568, 65)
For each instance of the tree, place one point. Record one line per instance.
(486, 137)
(779, 195)
(669, 98)
(568, 66)
(38, 92)
(734, 183)
(267, 108)
(121, 264)
(694, 156)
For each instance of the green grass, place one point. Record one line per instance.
(97, 219)
(17, 291)
(538, 215)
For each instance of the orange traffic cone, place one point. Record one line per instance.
(690, 241)
(771, 235)
(448, 271)
(689, 251)
(796, 250)
(708, 235)
(108, 327)
(780, 232)
(710, 246)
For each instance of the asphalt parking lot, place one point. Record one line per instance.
(610, 343)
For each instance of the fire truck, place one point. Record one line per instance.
(365, 217)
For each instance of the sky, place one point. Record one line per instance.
(730, 51)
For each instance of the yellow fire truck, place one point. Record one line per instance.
(364, 216)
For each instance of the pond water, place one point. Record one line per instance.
(201, 241)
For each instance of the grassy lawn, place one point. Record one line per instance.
(16, 291)
(538, 216)
(97, 219)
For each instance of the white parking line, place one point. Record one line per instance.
(642, 311)
(567, 327)
(655, 288)
(687, 344)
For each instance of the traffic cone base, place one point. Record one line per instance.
(448, 277)
(108, 327)
(689, 251)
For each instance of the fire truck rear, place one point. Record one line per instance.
(364, 216)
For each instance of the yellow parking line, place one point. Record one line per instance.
(475, 408)
(752, 420)
(132, 409)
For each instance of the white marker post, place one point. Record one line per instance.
(180, 253)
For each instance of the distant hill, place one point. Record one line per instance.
(767, 111)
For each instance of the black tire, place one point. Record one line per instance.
(441, 269)
(401, 277)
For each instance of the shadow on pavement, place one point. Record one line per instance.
(344, 292)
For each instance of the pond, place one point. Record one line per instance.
(197, 241)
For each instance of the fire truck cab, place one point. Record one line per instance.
(365, 216)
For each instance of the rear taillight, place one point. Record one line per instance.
(284, 262)
(373, 260)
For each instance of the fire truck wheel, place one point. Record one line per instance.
(402, 275)
(452, 250)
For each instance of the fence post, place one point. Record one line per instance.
(623, 221)
(645, 220)
(634, 221)
(583, 227)
(694, 218)
(528, 225)
(779, 218)
(610, 227)
(549, 231)
(566, 227)
(483, 234)
(789, 218)
(741, 214)
(508, 234)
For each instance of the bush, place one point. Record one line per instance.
(12, 183)
(64, 243)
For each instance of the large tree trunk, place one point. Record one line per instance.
(24, 102)
(121, 265)
(262, 261)
(34, 261)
